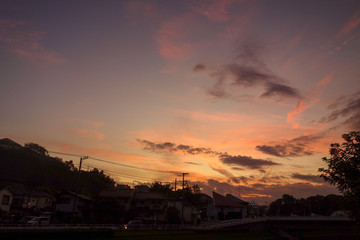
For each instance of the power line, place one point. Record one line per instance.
(114, 163)
(124, 175)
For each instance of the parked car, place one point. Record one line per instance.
(39, 221)
(134, 224)
(25, 219)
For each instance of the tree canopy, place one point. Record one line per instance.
(343, 168)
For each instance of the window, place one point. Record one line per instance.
(63, 200)
(6, 200)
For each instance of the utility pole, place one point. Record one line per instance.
(182, 202)
(175, 184)
(183, 183)
(78, 185)
(82, 159)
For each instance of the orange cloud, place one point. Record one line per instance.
(24, 40)
(309, 100)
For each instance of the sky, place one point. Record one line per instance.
(244, 96)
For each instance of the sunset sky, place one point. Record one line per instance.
(245, 96)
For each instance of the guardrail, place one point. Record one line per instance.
(222, 224)
(63, 226)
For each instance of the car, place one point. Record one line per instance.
(134, 224)
(25, 219)
(39, 221)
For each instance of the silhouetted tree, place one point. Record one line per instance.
(36, 148)
(158, 187)
(343, 169)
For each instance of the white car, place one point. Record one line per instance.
(39, 221)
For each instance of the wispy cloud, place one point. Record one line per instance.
(232, 160)
(172, 37)
(24, 40)
(300, 146)
(346, 108)
(216, 11)
(310, 99)
(212, 116)
(349, 26)
(172, 147)
(247, 71)
(246, 161)
(308, 177)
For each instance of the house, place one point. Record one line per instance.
(188, 213)
(122, 197)
(5, 200)
(149, 205)
(112, 206)
(33, 200)
(72, 203)
(45, 201)
(23, 200)
(225, 208)
(203, 205)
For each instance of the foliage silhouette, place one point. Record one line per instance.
(343, 169)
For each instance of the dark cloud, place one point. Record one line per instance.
(242, 179)
(271, 179)
(246, 76)
(236, 161)
(296, 147)
(237, 168)
(309, 177)
(246, 161)
(172, 147)
(155, 147)
(273, 89)
(267, 192)
(199, 67)
(348, 109)
(192, 163)
(248, 70)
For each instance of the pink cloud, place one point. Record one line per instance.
(309, 100)
(238, 26)
(350, 25)
(22, 39)
(172, 37)
(214, 10)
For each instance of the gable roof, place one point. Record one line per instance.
(236, 199)
(221, 201)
